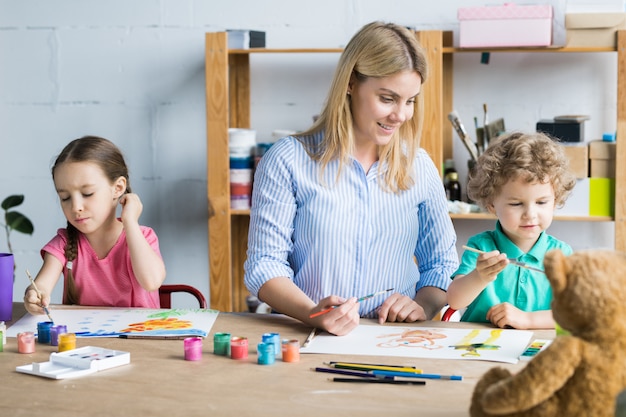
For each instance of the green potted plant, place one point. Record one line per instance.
(14, 220)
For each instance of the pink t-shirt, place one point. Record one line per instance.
(109, 281)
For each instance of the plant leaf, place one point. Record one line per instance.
(12, 201)
(18, 222)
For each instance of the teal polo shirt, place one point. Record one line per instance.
(525, 289)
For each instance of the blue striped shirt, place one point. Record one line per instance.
(346, 235)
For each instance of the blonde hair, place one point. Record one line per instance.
(377, 50)
(533, 157)
(110, 159)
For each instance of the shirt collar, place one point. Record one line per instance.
(505, 245)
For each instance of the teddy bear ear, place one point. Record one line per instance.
(556, 267)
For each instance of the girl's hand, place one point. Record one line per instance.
(400, 308)
(131, 207)
(33, 303)
(339, 321)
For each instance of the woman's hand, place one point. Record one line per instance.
(400, 308)
(341, 319)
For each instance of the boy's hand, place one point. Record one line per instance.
(490, 264)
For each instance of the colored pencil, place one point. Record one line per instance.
(363, 374)
(416, 375)
(164, 337)
(375, 367)
(365, 297)
(370, 364)
(45, 309)
(379, 381)
(511, 260)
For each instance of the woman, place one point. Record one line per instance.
(346, 208)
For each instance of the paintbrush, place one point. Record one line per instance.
(32, 281)
(460, 130)
(511, 260)
(366, 297)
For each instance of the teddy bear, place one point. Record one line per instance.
(578, 374)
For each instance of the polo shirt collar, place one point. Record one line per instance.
(505, 245)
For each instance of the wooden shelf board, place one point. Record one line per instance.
(487, 216)
(555, 49)
(283, 51)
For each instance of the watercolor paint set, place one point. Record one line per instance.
(77, 362)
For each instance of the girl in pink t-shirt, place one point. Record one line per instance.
(106, 261)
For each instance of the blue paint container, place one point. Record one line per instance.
(43, 331)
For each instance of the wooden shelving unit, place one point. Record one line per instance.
(444, 94)
(227, 74)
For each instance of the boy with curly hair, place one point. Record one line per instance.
(521, 179)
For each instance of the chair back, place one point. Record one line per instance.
(165, 294)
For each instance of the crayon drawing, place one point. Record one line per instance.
(115, 322)
(499, 345)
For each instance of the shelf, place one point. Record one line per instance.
(552, 49)
(284, 51)
(227, 74)
(487, 216)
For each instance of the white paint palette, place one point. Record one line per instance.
(77, 362)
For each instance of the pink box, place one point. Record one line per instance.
(504, 26)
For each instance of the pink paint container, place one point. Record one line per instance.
(26, 342)
(193, 348)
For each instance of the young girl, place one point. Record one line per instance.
(521, 179)
(346, 208)
(106, 261)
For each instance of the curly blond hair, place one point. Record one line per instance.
(533, 157)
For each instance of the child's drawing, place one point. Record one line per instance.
(413, 338)
(116, 322)
(500, 345)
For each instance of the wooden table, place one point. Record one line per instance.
(159, 382)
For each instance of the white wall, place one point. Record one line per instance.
(133, 71)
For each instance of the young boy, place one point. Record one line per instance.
(521, 178)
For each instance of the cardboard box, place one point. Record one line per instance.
(509, 25)
(602, 159)
(602, 197)
(593, 29)
(578, 155)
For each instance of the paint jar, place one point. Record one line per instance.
(266, 353)
(291, 350)
(43, 332)
(193, 348)
(274, 339)
(239, 347)
(67, 341)
(55, 331)
(221, 344)
(26, 342)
